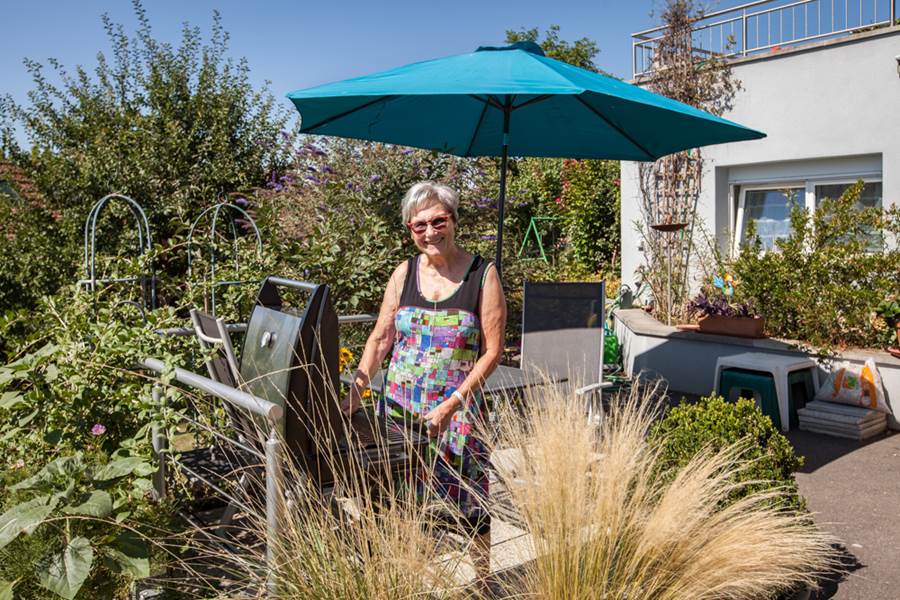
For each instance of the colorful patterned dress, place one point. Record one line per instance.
(436, 346)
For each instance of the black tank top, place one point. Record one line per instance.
(466, 297)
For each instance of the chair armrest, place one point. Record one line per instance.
(592, 388)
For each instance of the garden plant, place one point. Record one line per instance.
(824, 284)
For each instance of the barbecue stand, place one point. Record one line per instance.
(284, 393)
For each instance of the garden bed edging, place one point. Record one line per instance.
(687, 359)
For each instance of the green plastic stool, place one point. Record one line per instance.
(759, 386)
(800, 391)
(756, 385)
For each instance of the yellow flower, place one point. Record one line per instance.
(345, 357)
(367, 393)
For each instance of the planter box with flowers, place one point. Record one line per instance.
(718, 313)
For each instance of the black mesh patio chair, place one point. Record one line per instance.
(562, 337)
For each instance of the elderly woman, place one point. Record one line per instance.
(444, 314)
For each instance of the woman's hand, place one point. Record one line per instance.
(438, 418)
(352, 402)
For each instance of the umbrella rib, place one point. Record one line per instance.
(477, 127)
(534, 100)
(617, 128)
(346, 112)
(489, 101)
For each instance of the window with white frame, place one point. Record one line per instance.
(768, 206)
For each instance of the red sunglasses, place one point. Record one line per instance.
(437, 223)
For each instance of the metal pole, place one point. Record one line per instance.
(668, 278)
(160, 446)
(507, 109)
(274, 508)
(744, 34)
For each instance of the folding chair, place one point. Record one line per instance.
(246, 454)
(562, 337)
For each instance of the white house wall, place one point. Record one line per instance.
(831, 109)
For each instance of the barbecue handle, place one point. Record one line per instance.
(290, 283)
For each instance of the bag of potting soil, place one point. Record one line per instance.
(857, 385)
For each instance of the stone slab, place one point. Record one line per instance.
(860, 413)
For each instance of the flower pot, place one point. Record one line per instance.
(749, 327)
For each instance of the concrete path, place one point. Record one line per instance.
(854, 490)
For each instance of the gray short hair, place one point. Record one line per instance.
(426, 192)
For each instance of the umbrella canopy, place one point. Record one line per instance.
(510, 100)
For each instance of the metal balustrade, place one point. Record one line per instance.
(763, 26)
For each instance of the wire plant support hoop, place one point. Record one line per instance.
(147, 280)
(211, 246)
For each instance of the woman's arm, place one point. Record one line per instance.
(380, 340)
(493, 326)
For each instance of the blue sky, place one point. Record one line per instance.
(303, 43)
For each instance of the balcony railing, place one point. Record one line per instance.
(768, 25)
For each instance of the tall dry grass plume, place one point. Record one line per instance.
(606, 523)
(368, 534)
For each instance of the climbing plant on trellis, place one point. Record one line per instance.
(670, 187)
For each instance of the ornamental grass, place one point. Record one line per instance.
(601, 519)
(606, 522)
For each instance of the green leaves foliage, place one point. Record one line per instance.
(174, 126)
(715, 424)
(129, 554)
(580, 53)
(88, 499)
(121, 467)
(98, 504)
(65, 573)
(591, 198)
(25, 518)
(53, 473)
(823, 284)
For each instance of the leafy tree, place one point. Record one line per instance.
(591, 200)
(580, 53)
(174, 127)
(582, 195)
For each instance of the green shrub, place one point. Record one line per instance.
(823, 283)
(33, 263)
(85, 518)
(716, 424)
(174, 126)
(590, 200)
(75, 425)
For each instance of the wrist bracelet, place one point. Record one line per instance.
(458, 395)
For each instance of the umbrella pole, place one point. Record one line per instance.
(498, 262)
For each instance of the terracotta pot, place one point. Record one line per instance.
(750, 327)
(897, 325)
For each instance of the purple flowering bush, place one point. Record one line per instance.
(703, 305)
(718, 298)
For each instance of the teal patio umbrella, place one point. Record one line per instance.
(510, 101)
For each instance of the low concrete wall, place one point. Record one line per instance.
(687, 360)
